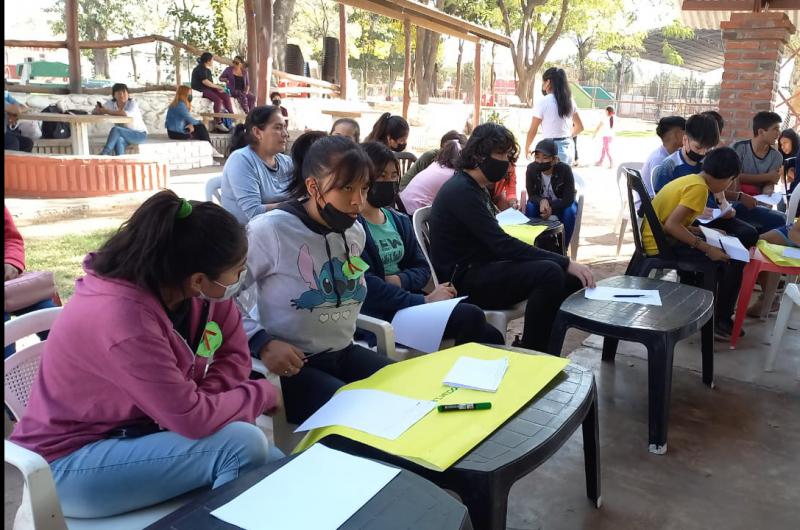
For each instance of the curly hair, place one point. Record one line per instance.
(485, 140)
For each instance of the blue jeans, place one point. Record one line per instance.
(763, 219)
(44, 304)
(115, 476)
(120, 137)
(566, 148)
(567, 218)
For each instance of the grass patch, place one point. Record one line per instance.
(63, 255)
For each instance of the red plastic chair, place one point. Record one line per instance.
(758, 263)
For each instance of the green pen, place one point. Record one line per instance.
(464, 406)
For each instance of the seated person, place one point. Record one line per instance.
(504, 191)
(428, 157)
(15, 138)
(700, 136)
(257, 177)
(237, 80)
(390, 130)
(677, 205)
(670, 130)
(123, 134)
(720, 123)
(397, 268)
(472, 252)
(788, 145)
(180, 123)
(421, 191)
(14, 264)
(551, 188)
(346, 127)
(788, 236)
(202, 81)
(304, 261)
(275, 99)
(133, 412)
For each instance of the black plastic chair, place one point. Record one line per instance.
(405, 159)
(641, 265)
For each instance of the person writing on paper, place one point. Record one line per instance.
(397, 270)
(677, 205)
(494, 269)
(304, 261)
(551, 188)
(134, 412)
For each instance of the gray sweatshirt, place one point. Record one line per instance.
(295, 281)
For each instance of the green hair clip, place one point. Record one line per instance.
(185, 209)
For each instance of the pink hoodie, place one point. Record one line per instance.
(113, 358)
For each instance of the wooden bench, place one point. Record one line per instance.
(336, 114)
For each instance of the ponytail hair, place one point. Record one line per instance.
(561, 90)
(449, 153)
(330, 155)
(299, 149)
(388, 126)
(156, 249)
(610, 112)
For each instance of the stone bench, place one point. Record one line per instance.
(67, 176)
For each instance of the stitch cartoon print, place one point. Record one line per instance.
(323, 287)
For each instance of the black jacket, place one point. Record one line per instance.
(465, 232)
(562, 182)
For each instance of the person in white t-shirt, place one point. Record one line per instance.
(557, 114)
(123, 134)
(607, 126)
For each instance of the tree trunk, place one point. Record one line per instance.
(158, 63)
(458, 68)
(133, 62)
(283, 10)
(101, 56)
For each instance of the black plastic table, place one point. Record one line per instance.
(407, 502)
(554, 229)
(485, 475)
(683, 312)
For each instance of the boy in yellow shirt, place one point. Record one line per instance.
(677, 205)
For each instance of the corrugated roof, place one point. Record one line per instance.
(711, 19)
(703, 53)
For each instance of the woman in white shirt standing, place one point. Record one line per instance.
(557, 114)
(123, 134)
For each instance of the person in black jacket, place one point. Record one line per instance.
(494, 269)
(551, 188)
(397, 268)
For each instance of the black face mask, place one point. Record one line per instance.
(494, 170)
(338, 220)
(694, 156)
(400, 148)
(541, 167)
(544, 92)
(189, 98)
(276, 102)
(382, 194)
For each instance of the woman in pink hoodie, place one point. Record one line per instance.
(128, 407)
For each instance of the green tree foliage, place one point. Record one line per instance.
(381, 48)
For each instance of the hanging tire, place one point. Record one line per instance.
(330, 60)
(294, 60)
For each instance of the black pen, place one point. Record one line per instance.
(453, 277)
(722, 246)
(628, 295)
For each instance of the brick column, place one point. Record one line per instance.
(754, 47)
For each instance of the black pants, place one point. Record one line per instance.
(501, 284)
(468, 324)
(575, 143)
(200, 133)
(14, 141)
(744, 232)
(323, 375)
(729, 280)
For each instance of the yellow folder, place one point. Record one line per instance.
(775, 254)
(439, 439)
(525, 233)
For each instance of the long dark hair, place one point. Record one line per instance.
(155, 249)
(205, 57)
(394, 127)
(449, 153)
(336, 155)
(610, 112)
(485, 140)
(299, 149)
(242, 135)
(561, 90)
(793, 138)
(380, 155)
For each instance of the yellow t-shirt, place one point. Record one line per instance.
(690, 191)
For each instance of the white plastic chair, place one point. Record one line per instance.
(791, 298)
(213, 189)
(574, 242)
(40, 508)
(497, 318)
(793, 210)
(622, 187)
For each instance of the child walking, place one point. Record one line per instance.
(607, 125)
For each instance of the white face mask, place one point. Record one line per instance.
(230, 290)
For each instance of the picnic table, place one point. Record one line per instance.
(336, 114)
(79, 125)
(208, 117)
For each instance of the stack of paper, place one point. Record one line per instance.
(372, 411)
(511, 216)
(334, 484)
(477, 374)
(422, 326)
(621, 294)
(728, 244)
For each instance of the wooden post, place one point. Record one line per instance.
(74, 52)
(342, 52)
(252, 44)
(264, 25)
(476, 114)
(407, 69)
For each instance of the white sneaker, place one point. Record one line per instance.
(222, 128)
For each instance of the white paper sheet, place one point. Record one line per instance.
(772, 199)
(372, 411)
(716, 213)
(511, 216)
(422, 326)
(321, 489)
(790, 252)
(728, 244)
(477, 374)
(621, 294)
